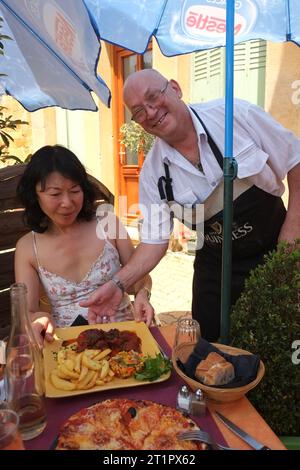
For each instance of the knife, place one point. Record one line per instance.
(242, 434)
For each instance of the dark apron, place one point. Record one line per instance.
(257, 220)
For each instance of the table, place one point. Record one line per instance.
(241, 411)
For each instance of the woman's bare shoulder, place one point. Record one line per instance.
(25, 241)
(24, 247)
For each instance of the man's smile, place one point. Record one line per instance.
(161, 119)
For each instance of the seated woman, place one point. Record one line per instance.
(71, 250)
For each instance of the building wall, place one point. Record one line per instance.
(177, 67)
(106, 130)
(282, 71)
(79, 131)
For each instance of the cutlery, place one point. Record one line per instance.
(165, 356)
(199, 435)
(242, 434)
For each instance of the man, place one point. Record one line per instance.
(185, 165)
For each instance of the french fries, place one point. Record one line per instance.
(81, 371)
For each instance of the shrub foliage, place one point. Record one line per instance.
(266, 320)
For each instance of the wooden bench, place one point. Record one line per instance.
(12, 228)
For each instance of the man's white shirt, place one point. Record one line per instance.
(264, 150)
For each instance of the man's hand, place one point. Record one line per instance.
(290, 230)
(104, 302)
(143, 310)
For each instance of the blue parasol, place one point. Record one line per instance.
(53, 55)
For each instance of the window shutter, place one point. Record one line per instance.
(249, 71)
(208, 73)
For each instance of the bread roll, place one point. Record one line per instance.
(212, 358)
(215, 370)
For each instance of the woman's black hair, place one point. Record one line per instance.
(43, 162)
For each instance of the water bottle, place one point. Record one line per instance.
(24, 374)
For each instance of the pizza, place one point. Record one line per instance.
(124, 424)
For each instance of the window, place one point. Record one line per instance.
(208, 73)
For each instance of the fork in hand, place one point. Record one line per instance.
(202, 436)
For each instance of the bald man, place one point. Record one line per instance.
(184, 169)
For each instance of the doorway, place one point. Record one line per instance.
(128, 164)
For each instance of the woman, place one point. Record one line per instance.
(70, 251)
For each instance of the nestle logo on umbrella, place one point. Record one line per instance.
(210, 22)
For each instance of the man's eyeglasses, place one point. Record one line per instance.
(155, 99)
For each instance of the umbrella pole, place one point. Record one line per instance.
(230, 171)
(229, 168)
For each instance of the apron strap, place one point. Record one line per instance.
(167, 192)
(215, 149)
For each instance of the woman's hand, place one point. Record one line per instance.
(143, 310)
(43, 327)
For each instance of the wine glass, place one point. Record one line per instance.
(10, 438)
(187, 331)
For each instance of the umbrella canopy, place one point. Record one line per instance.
(53, 55)
(182, 26)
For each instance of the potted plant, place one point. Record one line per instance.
(7, 123)
(266, 321)
(135, 138)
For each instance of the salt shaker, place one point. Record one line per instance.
(24, 376)
(191, 403)
(184, 400)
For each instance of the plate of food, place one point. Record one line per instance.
(86, 359)
(126, 424)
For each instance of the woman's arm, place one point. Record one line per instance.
(25, 272)
(143, 310)
(136, 264)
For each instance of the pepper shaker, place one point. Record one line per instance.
(198, 406)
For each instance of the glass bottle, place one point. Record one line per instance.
(24, 374)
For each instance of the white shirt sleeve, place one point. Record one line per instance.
(280, 146)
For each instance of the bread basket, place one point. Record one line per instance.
(183, 351)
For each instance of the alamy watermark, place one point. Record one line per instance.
(157, 221)
(296, 94)
(296, 353)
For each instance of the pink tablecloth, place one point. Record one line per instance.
(59, 409)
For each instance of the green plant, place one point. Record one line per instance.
(2, 37)
(135, 138)
(6, 122)
(266, 320)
